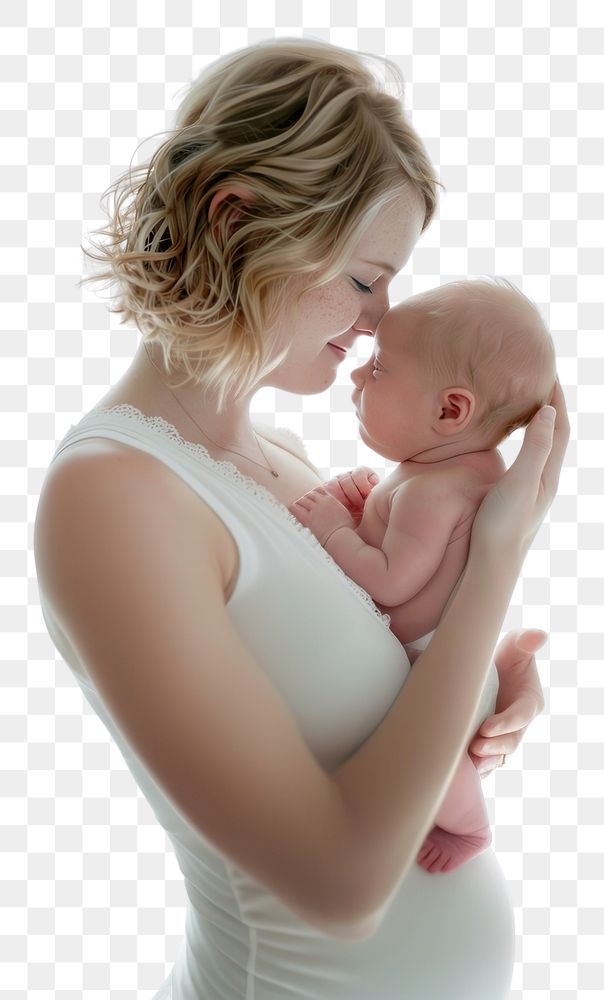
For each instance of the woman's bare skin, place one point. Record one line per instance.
(341, 879)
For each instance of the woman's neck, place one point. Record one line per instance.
(192, 409)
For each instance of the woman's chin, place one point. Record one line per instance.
(304, 385)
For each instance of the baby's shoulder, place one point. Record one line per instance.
(475, 467)
(444, 481)
(466, 484)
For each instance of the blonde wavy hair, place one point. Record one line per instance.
(320, 145)
(484, 334)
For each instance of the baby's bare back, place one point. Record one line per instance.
(421, 613)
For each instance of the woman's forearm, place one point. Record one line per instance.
(393, 785)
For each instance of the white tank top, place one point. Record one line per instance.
(330, 653)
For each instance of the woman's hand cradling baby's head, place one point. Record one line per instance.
(512, 511)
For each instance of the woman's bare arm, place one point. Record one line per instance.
(128, 559)
(142, 600)
(426, 730)
(429, 724)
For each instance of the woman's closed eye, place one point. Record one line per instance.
(361, 287)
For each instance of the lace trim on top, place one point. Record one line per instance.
(230, 471)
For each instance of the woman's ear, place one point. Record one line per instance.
(455, 408)
(233, 189)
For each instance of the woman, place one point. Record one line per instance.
(256, 693)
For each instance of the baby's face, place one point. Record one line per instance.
(392, 396)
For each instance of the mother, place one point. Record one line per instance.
(257, 693)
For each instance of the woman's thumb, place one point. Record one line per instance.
(540, 432)
(536, 446)
(547, 414)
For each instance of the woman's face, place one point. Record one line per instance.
(350, 304)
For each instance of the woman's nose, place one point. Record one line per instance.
(373, 312)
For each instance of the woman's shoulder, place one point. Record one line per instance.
(93, 473)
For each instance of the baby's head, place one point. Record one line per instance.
(483, 336)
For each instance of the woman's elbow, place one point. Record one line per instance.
(360, 929)
(368, 926)
(360, 919)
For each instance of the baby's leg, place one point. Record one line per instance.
(462, 823)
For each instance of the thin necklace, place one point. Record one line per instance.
(205, 433)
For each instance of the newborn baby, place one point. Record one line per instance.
(453, 372)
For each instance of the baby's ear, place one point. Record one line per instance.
(456, 408)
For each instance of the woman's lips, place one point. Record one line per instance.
(341, 350)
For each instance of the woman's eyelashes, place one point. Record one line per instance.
(361, 287)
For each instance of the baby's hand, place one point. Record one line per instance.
(321, 513)
(352, 489)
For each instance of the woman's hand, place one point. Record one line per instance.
(519, 700)
(352, 489)
(512, 511)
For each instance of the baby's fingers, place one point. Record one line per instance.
(364, 479)
(298, 505)
(353, 487)
(307, 501)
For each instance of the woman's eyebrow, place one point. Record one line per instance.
(382, 266)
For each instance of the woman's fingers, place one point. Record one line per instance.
(485, 747)
(504, 730)
(519, 700)
(544, 444)
(553, 465)
(484, 765)
(514, 508)
(537, 444)
(529, 640)
(518, 645)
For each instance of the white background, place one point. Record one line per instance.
(509, 99)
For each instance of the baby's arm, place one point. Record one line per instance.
(423, 515)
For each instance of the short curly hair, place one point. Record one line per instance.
(320, 145)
